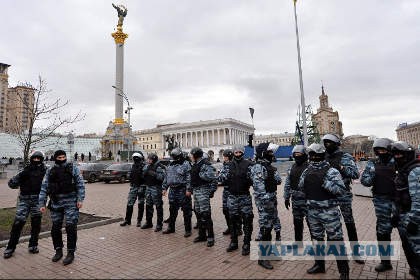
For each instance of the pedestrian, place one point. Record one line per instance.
(76, 156)
(406, 216)
(322, 184)
(109, 155)
(137, 190)
(64, 185)
(203, 186)
(299, 209)
(82, 157)
(153, 177)
(178, 181)
(237, 175)
(265, 179)
(29, 182)
(380, 175)
(347, 167)
(90, 156)
(52, 158)
(118, 156)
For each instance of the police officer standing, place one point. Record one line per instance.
(227, 157)
(154, 175)
(178, 179)
(407, 202)
(137, 190)
(29, 181)
(299, 209)
(265, 179)
(380, 173)
(203, 186)
(237, 175)
(346, 165)
(322, 184)
(66, 189)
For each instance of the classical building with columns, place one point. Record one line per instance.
(213, 136)
(281, 139)
(410, 133)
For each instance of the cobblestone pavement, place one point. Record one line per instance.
(111, 251)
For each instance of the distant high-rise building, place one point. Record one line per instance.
(326, 119)
(16, 104)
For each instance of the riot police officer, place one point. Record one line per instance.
(299, 209)
(265, 179)
(346, 165)
(137, 190)
(407, 201)
(237, 175)
(322, 184)
(153, 177)
(178, 179)
(380, 174)
(29, 181)
(64, 185)
(203, 186)
(227, 157)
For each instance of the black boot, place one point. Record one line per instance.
(58, 255)
(172, 219)
(233, 234)
(227, 218)
(385, 263)
(209, 228)
(14, 238)
(248, 227)
(128, 215)
(343, 268)
(57, 237)
(71, 230)
(265, 236)
(352, 233)
(159, 221)
(318, 267)
(140, 214)
(149, 217)
(35, 229)
(278, 236)
(187, 223)
(69, 258)
(202, 237)
(298, 225)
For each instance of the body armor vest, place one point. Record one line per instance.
(61, 179)
(270, 182)
(314, 180)
(196, 180)
(384, 182)
(402, 197)
(239, 182)
(295, 173)
(31, 179)
(136, 174)
(150, 180)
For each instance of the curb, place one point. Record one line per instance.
(46, 234)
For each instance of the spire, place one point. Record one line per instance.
(323, 98)
(322, 87)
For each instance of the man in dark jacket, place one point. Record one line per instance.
(29, 181)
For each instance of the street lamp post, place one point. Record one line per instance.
(129, 108)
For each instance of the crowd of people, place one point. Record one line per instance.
(317, 188)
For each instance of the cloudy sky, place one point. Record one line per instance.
(189, 60)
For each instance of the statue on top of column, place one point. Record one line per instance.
(122, 13)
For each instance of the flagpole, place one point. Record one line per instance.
(302, 94)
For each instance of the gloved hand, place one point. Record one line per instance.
(412, 228)
(287, 203)
(394, 220)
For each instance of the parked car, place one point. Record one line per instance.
(92, 171)
(116, 172)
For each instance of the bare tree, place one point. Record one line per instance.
(44, 117)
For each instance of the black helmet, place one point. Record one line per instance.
(403, 153)
(37, 154)
(333, 138)
(197, 152)
(228, 153)
(153, 157)
(176, 154)
(383, 143)
(260, 149)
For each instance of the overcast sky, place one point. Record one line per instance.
(189, 60)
